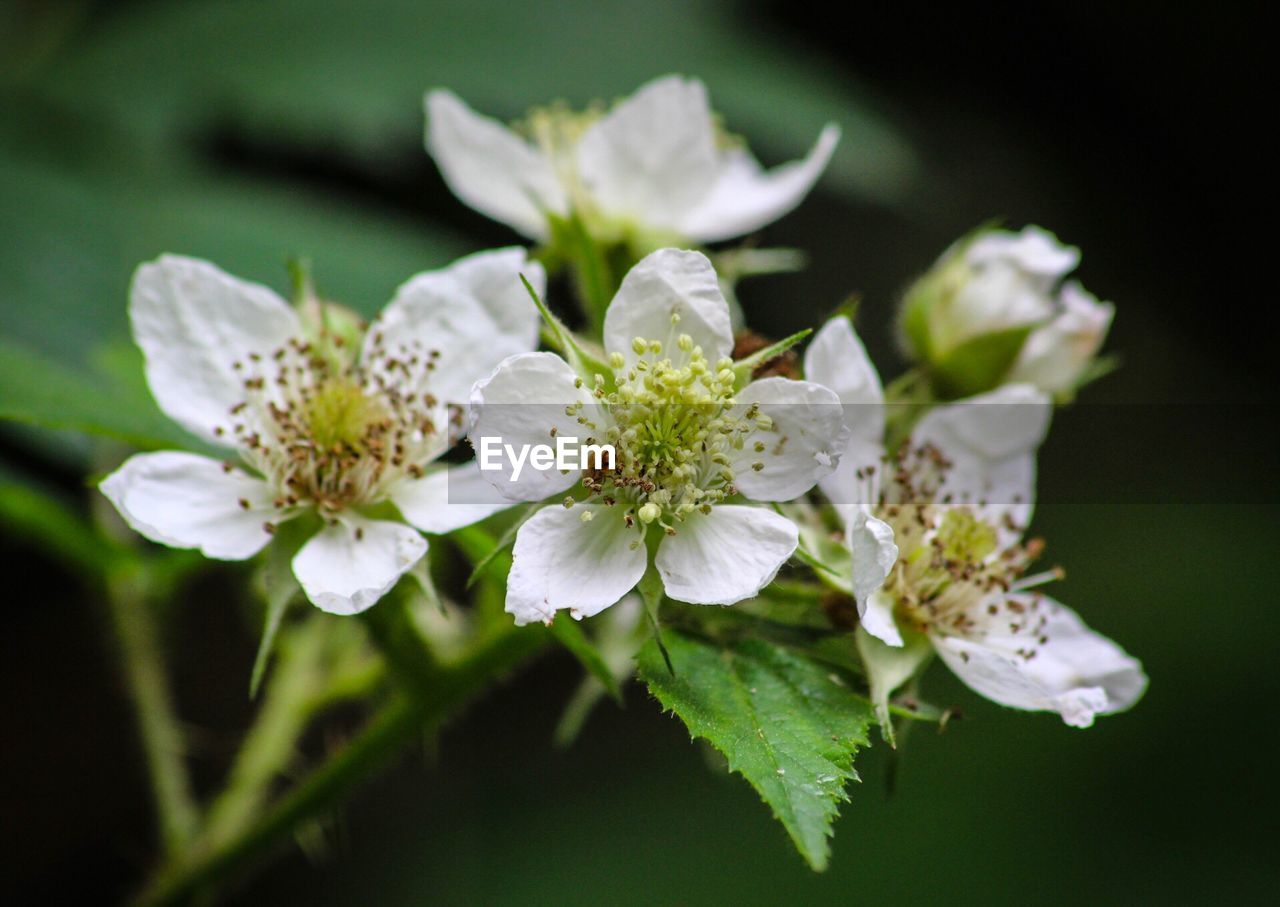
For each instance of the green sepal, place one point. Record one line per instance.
(889, 667)
(505, 541)
(743, 368)
(277, 587)
(979, 364)
(585, 361)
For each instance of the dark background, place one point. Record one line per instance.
(245, 132)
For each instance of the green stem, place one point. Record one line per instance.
(397, 724)
(131, 617)
(270, 744)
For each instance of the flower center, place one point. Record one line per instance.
(952, 575)
(674, 427)
(340, 417)
(556, 130)
(332, 432)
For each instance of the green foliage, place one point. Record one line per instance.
(787, 725)
(36, 391)
(255, 66)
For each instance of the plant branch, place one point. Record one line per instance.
(131, 617)
(398, 723)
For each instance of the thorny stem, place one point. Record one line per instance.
(269, 746)
(132, 619)
(100, 552)
(397, 724)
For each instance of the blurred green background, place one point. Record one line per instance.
(246, 132)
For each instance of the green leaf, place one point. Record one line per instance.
(787, 725)
(569, 634)
(41, 519)
(36, 391)
(264, 60)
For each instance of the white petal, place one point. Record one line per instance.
(746, 198)
(562, 562)
(1055, 356)
(837, 359)
(187, 501)
(193, 321)
(725, 556)
(491, 168)
(346, 567)
(804, 444)
(874, 553)
(878, 620)
(1034, 251)
(991, 442)
(1076, 673)
(651, 159)
(666, 283)
(447, 498)
(472, 315)
(523, 403)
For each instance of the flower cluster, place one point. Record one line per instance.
(900, 515)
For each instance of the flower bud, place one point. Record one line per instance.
(1057, 356)
(969, 316)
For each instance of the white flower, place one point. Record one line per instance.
(1057, 355)
(939, 561)
(689, 447)
(655, 169)
(992, 311)
(320, 424)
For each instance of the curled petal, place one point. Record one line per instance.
(491, 168)
(874, 553)
(1034, 251)
(1056, 355)
(837, 359)
(745, 197)
(1074, 671)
